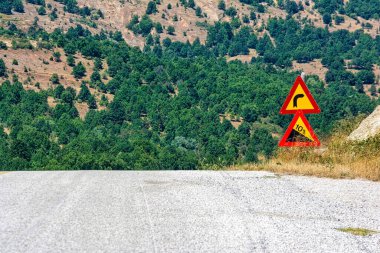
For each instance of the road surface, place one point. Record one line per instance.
(184, 211)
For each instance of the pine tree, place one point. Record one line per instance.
(3, 68)
(18, 6)
(6, 7)
(171, 30)
(54, 78)
(191, 4)
(41, 11)
(222, 5)
(84, 93)
(79, 71)
(95, 77)
(70, 60)
(92, 102)
(152, 8)
(198, 11)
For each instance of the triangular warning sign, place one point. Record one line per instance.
(300, 99)
(299, 133)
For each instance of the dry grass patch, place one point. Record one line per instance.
(339, 158)
(358, 231)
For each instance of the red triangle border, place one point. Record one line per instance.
(300, 81)
(284, 143)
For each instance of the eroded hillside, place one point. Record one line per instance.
(184, 19)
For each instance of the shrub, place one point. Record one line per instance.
(41, 11)
(57, 56)
(3, 46)
(54, 78)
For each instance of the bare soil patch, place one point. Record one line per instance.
(311, 68)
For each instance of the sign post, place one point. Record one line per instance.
(299, 102)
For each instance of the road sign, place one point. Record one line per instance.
(299, 99)
(299, 133)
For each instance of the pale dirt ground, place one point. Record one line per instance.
(312, 68)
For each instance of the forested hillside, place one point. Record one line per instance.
(80, 96)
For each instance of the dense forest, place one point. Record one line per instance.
(174, 101)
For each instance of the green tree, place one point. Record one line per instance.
(57, 56)
(366, 77)
(231, 11)
(222, 5)
(326, 18)
(84, 93)
(339, 20)
(6, 7)
(373, 90)
(70, 60)
(198, 12)
(3, 46)
(68, 96)
(53, 15)
(54, 78)
(18, 6)
(98, 65)
(171, 30)
(41, 11)
(92, 102)
(260, 8)
(245, 19)
(151, 8)
(264, 44)
(158, 27)
(117, 112)
(3, 68)
(79, 71)
(71, 6)
(191, 4)
(252, 15)
(145, 25)
(95, 77)
(134, 21)
(250, 112)
(261, 142)
(58, 91)
(291, 7)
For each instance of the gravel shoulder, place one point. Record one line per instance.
(184, 211)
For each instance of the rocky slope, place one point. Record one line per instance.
(369, 127)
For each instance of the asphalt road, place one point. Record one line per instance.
(201, 211)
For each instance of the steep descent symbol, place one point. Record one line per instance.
(299, 98)
(295, 99)
(299, 133)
